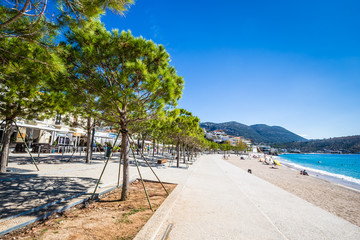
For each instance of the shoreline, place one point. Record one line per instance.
(340, 200)
(336, 178)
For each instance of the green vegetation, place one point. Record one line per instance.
(136, 210)
(125, 216)
(130, 78)
(259, 133)
(350, 144)
(182, 129)
(97, 76)
(31, 63)
(26, 89)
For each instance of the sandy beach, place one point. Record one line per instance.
(336, 199)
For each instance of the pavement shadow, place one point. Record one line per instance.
(13, 176)
(23, 192)
(54, 159)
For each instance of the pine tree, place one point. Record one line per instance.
(131, 76)
(26, 89)
(29, 62)
(21, 19)
(182, 126)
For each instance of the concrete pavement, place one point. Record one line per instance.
(221, 201)
(26, 195)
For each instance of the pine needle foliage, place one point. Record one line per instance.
(130, 76)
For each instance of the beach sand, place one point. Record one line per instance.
(339, 200)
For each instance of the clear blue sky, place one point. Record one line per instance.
(294, 64)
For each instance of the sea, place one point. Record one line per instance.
(342, 169)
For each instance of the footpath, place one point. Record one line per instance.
(28, 195)
(220, 201)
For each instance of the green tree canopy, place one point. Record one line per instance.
(130, 76)
(27, 18)
(27, 85)
(29, 62)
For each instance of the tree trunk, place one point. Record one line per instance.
(178, 154)
(88, 140)
(138, 145)
(157, 148)
(184, 154)
(154, 147)
(125, 155)
(189, 154)
(143, 145)
(5, 147)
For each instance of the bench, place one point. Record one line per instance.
(161, 161)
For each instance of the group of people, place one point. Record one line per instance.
(266, 160)
(269, 160)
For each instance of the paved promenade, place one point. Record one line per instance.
(213, 200)
(221, 201)
(26, 194)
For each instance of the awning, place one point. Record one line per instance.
(41, 127)
(78, 132)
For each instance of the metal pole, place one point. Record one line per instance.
(142, 181)
(129, 137)
(26, 145)
(107, 160)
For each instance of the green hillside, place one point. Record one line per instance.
(259, 133)
(350, 144)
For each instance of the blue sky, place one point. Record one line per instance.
(294, 64)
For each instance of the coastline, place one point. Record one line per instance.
(342, 201)
(336, 178)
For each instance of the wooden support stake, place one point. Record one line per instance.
(107, 160)
(26, 145)
(142, 181)
(71, 155)
(130, 138)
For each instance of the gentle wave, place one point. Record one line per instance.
(322, 172)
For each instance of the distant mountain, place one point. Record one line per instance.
(259, 133)
(350, 144)
(276, 134)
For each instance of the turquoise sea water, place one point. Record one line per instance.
(344, 167)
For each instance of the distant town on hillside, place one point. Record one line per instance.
(278, 139)
(259, 133)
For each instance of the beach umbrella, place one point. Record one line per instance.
(277, 162)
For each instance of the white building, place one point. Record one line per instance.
(220, 136)
(51, 134)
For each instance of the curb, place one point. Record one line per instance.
(152, 227)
